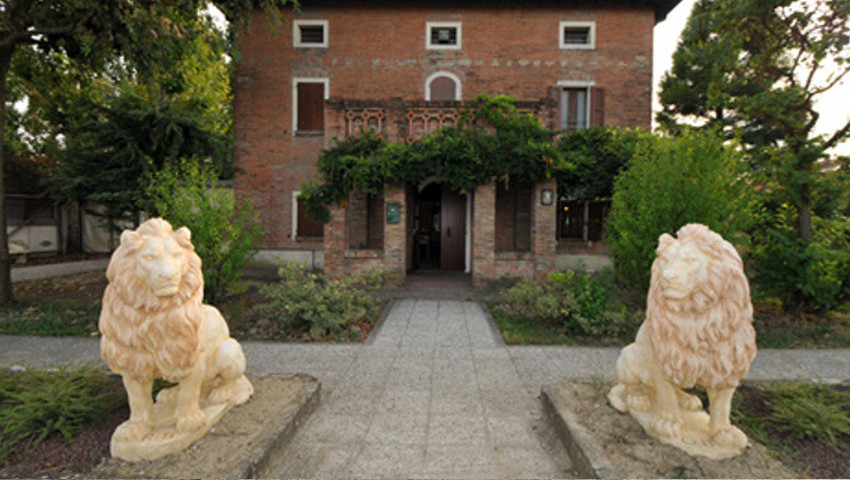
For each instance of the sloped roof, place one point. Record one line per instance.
(662, 7)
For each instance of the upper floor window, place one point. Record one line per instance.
(581, 104)
(577, 35)
(575, 113)
(308, 109)
(310, 33)
(443, 36)
(442, 86)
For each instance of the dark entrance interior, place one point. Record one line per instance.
(439, 229)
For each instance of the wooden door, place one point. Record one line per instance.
(452, 231)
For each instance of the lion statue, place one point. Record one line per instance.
(698, 332)
(154, 325)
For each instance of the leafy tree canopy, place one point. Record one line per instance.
(76, 44)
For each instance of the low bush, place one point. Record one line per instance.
(36, 404)
(576, 302)
(317, 307)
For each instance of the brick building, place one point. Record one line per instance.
(404, 69)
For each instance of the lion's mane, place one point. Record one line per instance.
(145, 336)
(706, 338)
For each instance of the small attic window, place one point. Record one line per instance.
(443, 36)
(577, 35)
(310, 33)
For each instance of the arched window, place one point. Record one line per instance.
(442, 86)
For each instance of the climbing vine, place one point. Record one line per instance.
(492, 140)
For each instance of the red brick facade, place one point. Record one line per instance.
(376, 55)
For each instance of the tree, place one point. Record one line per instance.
(91, 34)
(756, 68)
(116, 146)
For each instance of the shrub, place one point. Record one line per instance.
(224, 231)
(36, 404)
(307, 302)
(669, 183)
(579, 302)
(811, 276)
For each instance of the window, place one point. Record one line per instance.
(577, 35)
(365, 221)
(310, 33)
(574, 111)
(582, 220)
(513, 217)
(303, 224)
(308, 106)
(443, 36)
(581, 104)
(442, 86)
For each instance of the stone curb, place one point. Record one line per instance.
(588, 457)
(307, 402)
(247, 441)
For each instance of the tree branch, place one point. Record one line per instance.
(837, 136)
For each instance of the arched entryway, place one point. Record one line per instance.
(439, 228)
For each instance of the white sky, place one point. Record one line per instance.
(833, 106)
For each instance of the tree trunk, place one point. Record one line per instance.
(804, 214)
(5, 261)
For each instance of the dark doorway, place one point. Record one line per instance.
(453, 233)
(439, 231)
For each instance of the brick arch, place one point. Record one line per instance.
(443, 86)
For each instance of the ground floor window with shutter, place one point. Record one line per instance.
(513, 217)
(304, 226)
(365, 221)
(308, 105)
(581, 105)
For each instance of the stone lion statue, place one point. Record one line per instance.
(698, 331)
(154, 325)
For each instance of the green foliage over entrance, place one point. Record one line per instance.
(492, 140)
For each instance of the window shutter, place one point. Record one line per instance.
(442, 89)
(597, 112)
(311, 107)
(307, 225)
(555, 96)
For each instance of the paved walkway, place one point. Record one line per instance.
(434, 393)
(40, 272)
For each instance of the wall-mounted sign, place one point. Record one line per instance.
(393, 213)
(547, 196)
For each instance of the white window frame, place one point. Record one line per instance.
(430, 25)
(296, 33)
(587, 85)
(295, 194)
(295, 81)
(591, 35)
(436, 75)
